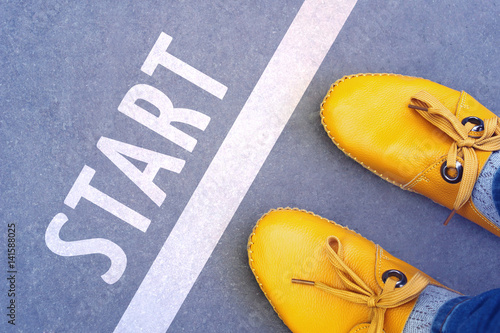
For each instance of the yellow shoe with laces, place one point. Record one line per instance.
(322, 277)
(416, 134)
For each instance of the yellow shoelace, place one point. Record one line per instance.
(357, 291)
(465, 141)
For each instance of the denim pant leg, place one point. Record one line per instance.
(496, 190)
(470, 314)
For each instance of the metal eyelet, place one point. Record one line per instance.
(475, 120)
(452, 180)
(397, 274)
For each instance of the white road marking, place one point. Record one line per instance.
(235, 166)
(160, 56)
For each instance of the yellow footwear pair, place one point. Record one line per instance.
(322, 277)
(416, 134)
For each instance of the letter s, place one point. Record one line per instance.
(88, 246)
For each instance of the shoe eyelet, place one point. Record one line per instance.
(397, 274)
(475, 120)
(452, 180)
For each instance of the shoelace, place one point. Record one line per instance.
(357, 291)
(465, 142)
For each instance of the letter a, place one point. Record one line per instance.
(114, 150)
(168, 114)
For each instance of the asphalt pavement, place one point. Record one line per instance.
(142, 141)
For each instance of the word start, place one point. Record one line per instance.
(116, 151)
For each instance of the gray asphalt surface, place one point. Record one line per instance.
(66, 66)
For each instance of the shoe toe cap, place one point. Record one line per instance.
(367, 116)
(290, 244)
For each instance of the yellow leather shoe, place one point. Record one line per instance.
(322, 277)
(416, 134)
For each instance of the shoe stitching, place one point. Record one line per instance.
(380, 256)
(361, 328)
(482, 216)
(420, 176)
(379, 264)
(250, 259)
(333, 138)
(250, 243)
(461, 105)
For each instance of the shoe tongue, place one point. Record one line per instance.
(468, 106)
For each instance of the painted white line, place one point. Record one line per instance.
(235, 166)
(159, 55)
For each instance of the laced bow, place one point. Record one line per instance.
(465, 141)
(357, 291)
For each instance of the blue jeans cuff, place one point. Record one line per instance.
(438, 325)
